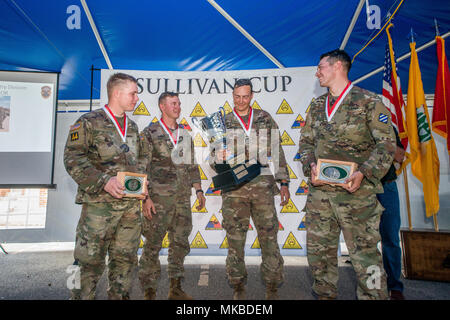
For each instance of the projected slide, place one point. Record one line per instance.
(24, 114)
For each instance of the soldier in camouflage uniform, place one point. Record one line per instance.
(169, 150)
(348, 124)
(255, 198)
(100, 144)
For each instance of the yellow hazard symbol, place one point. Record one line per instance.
(255, 244)
(284, 108)
(165, 242)
(309, 106)
(291, 173)
(155, 119)
(141, 244)
(186, 124)
(255, 105)
(141, 110)
(291, 242)
(224, 244)
(198, 141)
(227, 108)
(213, 224)
(202, 173)
(286, 139)
(194, 208)
(289, 207)
(198, 111)
(199, 242)
(302, 225)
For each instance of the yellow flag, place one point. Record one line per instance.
(424, 158)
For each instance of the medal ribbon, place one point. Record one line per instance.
(122, 131)
(169, 132)
(331, 111)
(246, 126)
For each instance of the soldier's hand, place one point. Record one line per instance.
(148, 208)
(285, 195)
(201, 201)
(355, 179)
(314, 181)
(114, 188)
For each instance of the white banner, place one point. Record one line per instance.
(284, 93)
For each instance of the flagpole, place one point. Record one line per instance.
(408, 205)
(436, 225)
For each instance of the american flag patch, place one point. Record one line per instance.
(383, 118)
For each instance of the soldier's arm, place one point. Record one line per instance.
(194, 172)
(277, 154)
(306, 145)
(77, 161)
(380, 126)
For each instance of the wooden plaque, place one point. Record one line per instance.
(134, 183)
(334, 172)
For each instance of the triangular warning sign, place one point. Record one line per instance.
(198, 111)
(309, 106)
(185, 124)
(165, 242)
(227, 108)
(141, 244)
(198, 141)
(199, 242)
(302, 189)
(209, 192)
(194, 208)
(202, 173)
(299, 122)
(286, 140)
(289, 207)
(141, 110)
(155, 119)
(280, 226)
(255, 105)
(224, 244)
(213, 224)
(291, 173)
(302, 226)
(291, 242)
(284, 108)
(255, 244)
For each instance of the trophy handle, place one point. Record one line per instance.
(195, 122)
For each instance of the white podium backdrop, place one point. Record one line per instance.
(284, 93)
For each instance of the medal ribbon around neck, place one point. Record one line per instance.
(122, 131)
(246, 126)
(331, 111)
(169, 132)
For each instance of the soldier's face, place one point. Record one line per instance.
(242, 97)
(171, 107)
(127, 95)
(325, 72)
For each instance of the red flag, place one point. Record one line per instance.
(441, 107)
(392, 91)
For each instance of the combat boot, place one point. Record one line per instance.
(175, 291)
(239, 291)
(149, 294)
(272, 292)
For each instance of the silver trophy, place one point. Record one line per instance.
(213, 129)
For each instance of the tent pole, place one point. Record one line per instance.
(352, 24)
(245, 33)
(405, 56)
(97, 35)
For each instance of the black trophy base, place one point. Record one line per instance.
(229, 178)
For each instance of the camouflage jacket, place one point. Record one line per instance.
(259, 144)
(172, 170)
(360, 131)
(95, 152)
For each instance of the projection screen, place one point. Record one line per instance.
(28, 103)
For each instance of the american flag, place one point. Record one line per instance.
(392, 95)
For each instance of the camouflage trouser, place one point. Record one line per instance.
(236, 212)
(112, 228)
(329, 212)
(173, 215)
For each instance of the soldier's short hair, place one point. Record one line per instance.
(338, 55)
(118, 79)
(243, 82)
(166, 94)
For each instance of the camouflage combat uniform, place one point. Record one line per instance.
(361, 132)
(94, 153)
(170, 189)
(254, 199)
